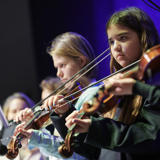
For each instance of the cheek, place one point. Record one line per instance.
(73, 70)
(134, 52)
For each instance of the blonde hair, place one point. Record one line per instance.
(73, 45)
(19, 95)
(139, 21)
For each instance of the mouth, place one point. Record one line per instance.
(119, 56)
(64, 80)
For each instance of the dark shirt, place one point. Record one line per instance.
(131, 142)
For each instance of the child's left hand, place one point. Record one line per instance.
(82, 124)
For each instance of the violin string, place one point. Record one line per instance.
(79, 96)
(40, 102)
(119, 71)
(134, 69)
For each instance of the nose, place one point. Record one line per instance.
(59, 73)
(117, 46)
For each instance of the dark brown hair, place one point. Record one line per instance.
(139, 21)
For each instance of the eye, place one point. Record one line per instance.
(111, 42)
(63, 65)
(123, 38)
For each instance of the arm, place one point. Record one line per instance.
(151, 93)
(139, 138)
(48, 145)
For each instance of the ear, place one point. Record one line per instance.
(83, 61)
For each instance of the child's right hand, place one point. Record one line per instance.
(24, 115)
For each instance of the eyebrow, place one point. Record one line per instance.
(123, 33)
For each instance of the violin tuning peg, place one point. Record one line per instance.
(96, 95)
(19, 145)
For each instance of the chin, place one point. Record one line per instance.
(124, 64)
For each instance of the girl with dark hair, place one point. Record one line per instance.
(134, 131)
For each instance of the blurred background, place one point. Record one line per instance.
(28, 26)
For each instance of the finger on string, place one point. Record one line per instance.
(67, 102)
(79, 122)
(69, 123)
(45, 105)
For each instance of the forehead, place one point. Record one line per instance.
(116, 30)
(57, 60)
(17, 103)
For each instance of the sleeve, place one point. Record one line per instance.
(48, 144)
(142, 137)
(149, 92)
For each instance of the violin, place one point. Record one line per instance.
(39, 120)
(102, 102)
(145, 71)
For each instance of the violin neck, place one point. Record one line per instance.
(27, 126)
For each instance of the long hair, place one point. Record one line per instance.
(73, 45)
(139, 21)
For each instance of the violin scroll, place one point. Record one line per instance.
(66, 150)
(14, 146)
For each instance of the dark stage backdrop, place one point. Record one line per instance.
(27, 27)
